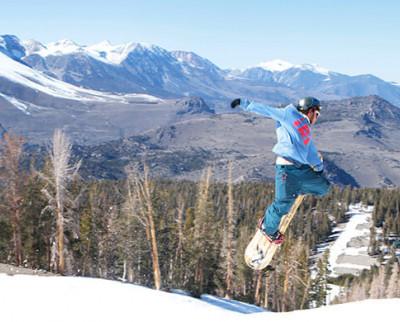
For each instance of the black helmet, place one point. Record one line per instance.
(304, 104)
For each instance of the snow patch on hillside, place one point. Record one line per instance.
(17, 103)
(26, 76)
(349, 252)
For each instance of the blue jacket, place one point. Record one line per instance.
(293, 130)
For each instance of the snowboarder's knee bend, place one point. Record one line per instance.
(280, 207)
(275, 212)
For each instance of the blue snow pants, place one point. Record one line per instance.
(291, 181)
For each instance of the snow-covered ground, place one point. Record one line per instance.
(348, 247)
(349, 252)
(44, 299)
(348, 243)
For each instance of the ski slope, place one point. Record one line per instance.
(349, 253)
(48, 299)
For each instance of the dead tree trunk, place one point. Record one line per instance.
(145, 214)
(257, 294)
(229, 236)
(59, 174)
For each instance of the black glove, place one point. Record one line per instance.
(235, 102)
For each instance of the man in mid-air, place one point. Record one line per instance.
(299, 166)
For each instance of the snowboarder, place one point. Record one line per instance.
(299, 166)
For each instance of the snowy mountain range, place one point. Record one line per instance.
(150, 69)
(354, 134)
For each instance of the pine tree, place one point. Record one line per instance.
(320, 283)
(373, 248)
(36, 226)
(14, 181)
(204, 237)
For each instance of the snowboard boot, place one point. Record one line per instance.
(276, 238)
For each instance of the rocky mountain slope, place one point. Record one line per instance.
(358, 138)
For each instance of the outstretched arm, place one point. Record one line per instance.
(277, 114)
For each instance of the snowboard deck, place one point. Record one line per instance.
(259, 252)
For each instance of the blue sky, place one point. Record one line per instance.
(353, 37)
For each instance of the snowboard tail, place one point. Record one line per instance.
(260, 251)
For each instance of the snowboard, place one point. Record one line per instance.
(259, 252)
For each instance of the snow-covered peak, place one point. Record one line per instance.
(193, 60)
(185, 56)
(105, 46)
(32, 46)
(276, 65)
(61, 47)
(104, 51)
(115, 54)
(314, 68)
(112, 54)
(66, 43)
